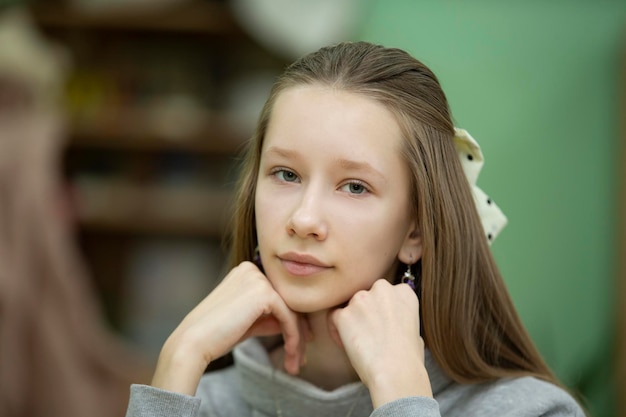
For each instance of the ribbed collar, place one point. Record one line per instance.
(266, 389)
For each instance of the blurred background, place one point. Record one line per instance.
(120, 127)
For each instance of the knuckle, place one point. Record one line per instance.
(360, 296)
(337, 317)
(381, 283)
(245, 266)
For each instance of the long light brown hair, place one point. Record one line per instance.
(468, 319)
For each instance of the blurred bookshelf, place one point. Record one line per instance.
(159, 103)
(214, 138)
(202, 17)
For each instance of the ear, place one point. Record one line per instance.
(411, 250)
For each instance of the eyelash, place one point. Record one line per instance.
(276, 172)
(358, 183)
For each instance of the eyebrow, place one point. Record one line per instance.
(347, 164)
(350, 164)
(285, 153)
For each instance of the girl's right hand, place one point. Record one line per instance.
(243, 305)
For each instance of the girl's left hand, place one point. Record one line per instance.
(380, 331)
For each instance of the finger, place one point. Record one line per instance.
(293, 363)
(292, 337)
(306, 329)
(305, 336)
(332, 328)
(264, 326)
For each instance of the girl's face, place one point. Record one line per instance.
(332, 203)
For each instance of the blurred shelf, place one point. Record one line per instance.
(146, 227)
(153, 136)
(123, 208)
(194, 17)
(217, 140)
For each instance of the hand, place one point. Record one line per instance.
(380, 331)
(243, 305)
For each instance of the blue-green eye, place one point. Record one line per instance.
(285, 175)
(355, 187)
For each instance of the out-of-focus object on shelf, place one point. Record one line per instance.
(112, 6)
(31, 61)
(178, 210)
(58, 357)
(246, 96)
(208, 17)
(294, 28)
(166, 279)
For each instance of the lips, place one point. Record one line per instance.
(302, 264)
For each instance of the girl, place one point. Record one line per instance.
(352, 184)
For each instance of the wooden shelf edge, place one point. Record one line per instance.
(143, 227)
(131, 210)
(208, 146)
(216, 138)
(201, 17)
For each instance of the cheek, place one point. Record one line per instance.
(271, 212)
(374, 245)
(374, 259)
(265, 213)
(260, 213)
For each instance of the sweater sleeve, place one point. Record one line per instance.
(147, 401)
(409, 406)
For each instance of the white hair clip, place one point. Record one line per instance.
(492, 218)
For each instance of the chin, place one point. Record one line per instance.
(302, 306)
(313, 304)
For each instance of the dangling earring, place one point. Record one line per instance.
(408, 277)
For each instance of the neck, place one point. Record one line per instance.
(327, 365)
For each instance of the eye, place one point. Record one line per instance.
(355, 187)
(285, 175)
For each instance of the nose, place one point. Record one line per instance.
(307, 219)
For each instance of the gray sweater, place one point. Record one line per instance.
(251, 388)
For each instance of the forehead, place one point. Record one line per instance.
(330, 114)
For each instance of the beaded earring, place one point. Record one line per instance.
(408, 277)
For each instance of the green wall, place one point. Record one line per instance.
(536, 84)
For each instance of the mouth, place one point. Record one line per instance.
(302, 264)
